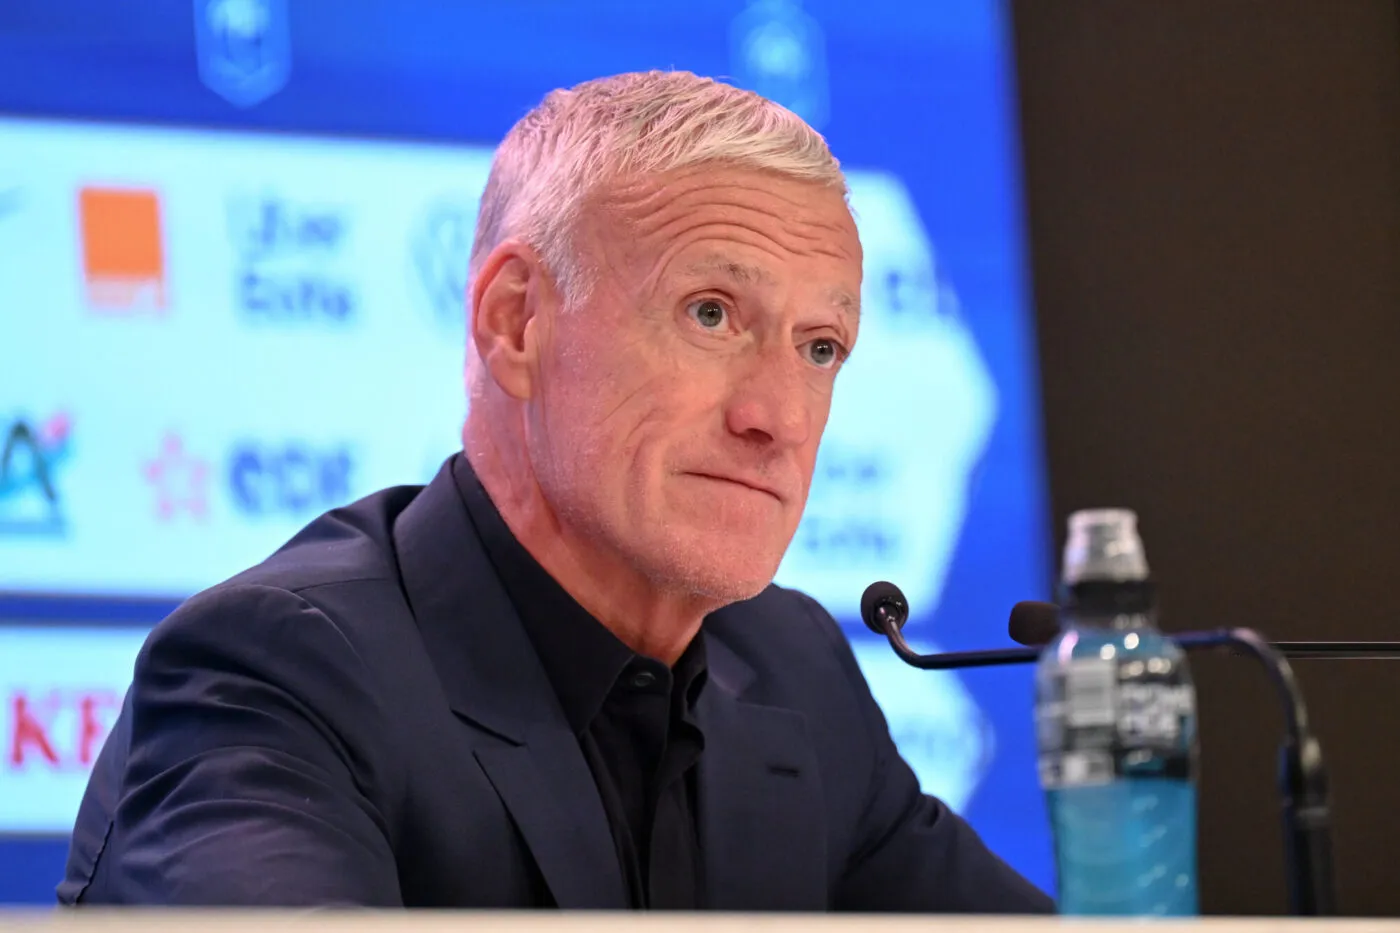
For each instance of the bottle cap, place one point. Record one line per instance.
(1103, 544)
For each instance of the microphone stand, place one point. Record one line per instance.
(1307, 821)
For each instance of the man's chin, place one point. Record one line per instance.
(723, 585)
(734, 590)
(709, 565)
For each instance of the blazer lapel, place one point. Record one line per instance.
(762, 821)
(494, 679)
(541, 783)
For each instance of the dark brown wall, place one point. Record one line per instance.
(1214, 193)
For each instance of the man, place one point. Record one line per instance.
(559, 674)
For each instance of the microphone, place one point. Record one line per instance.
(1302, 778)
(1033, 623)
(883, 605)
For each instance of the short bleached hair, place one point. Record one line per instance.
(629, 126)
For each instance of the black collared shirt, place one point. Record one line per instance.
(633, 715)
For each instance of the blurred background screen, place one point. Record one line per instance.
(233, 247)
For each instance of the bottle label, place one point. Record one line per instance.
(1102, 719)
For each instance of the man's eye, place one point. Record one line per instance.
(708, 313)
(825, 352)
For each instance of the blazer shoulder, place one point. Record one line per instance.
(338, 578)
(345, 545)
(236, 617)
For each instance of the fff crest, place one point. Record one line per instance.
(244, 48)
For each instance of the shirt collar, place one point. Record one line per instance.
(582, 658)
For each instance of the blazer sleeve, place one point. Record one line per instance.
(912, 852)
(252, 766)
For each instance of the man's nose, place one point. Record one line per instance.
(771, 402)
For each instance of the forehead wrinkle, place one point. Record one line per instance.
(645, 191)
(683, 230)
(653, 223)
(725, 212)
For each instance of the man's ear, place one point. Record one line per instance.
(509, 297)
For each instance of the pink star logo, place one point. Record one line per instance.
(180, 480)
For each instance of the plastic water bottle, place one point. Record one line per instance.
(1116, 727)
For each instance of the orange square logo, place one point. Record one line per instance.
(123, 259)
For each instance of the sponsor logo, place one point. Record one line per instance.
(289, 479)
(778, 50)
(60, 729)
(287, 258)
(441, 249)
(123, 255)
(179, 481)
(60, 693)
(32, 454)
(244, 48)
(263, 480)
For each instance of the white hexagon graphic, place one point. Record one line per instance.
(939, 729)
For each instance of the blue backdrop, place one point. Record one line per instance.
(212, 212)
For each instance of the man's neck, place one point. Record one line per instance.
(651, 620)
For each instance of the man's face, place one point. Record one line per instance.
(682, 398)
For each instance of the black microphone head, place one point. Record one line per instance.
(881, 602)
(1034, 623)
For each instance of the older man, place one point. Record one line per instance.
(559, 674)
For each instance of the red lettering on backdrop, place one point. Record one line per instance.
(92, 728)
(28, 732)
(64, 728)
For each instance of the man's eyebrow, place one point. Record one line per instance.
(848, 303)
(747, 274)
(740, 272)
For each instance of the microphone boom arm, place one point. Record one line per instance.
(959, 659)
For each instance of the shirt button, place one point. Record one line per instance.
(643, 680)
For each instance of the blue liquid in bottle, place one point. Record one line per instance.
(1115, 712)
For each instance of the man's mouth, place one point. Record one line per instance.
(756, 485)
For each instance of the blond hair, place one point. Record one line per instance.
(631, 125)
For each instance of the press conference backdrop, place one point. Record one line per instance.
(233, 244)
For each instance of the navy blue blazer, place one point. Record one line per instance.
(362, 720)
